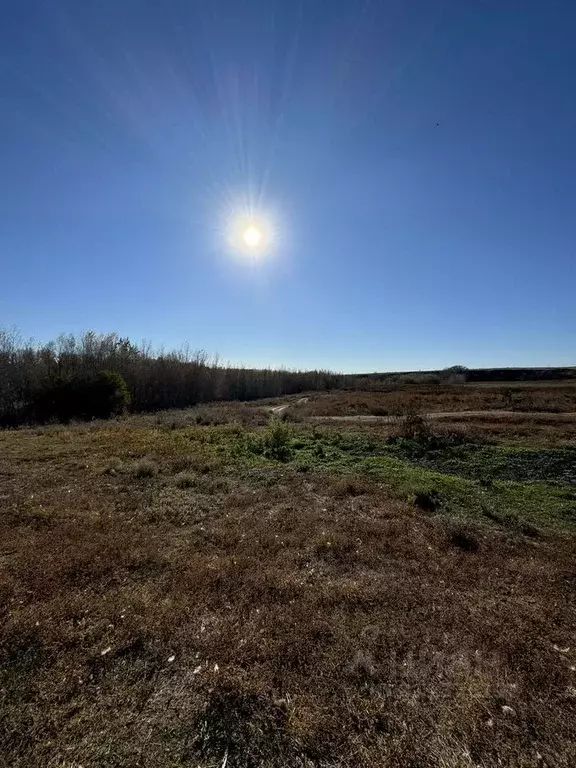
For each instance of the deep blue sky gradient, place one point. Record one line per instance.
(418, 158)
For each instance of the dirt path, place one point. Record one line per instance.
(279, 408)
(453, 415)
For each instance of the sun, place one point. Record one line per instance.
(252, 236)
(249, 233)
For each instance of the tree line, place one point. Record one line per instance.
(96, 375)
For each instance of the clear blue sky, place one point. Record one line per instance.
(416, 157)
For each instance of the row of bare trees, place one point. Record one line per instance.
(156, 379)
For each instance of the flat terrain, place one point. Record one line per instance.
(226, 586)
(531, 397)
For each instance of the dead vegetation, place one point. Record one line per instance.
(541, 397)
(545, 428)
(165, 605)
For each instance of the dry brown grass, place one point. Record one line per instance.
(530, 427)
(206, 615)
(469, 397)
(517, 428)
(210, 414)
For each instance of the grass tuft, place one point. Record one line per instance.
(145, 468)
(185, 480)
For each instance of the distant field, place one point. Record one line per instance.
(531, 397)
(222, 587)
(560, 383)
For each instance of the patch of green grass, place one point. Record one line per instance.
(539, 504)
(492, 462)
(513, 487)
(460, 475)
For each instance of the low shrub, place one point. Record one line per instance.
(144, 468)
(428, 501)
(413, 426)
(275, 443)
(185, 480)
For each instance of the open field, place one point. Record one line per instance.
(220, 587)
(549, 397)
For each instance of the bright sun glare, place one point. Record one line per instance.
(252, 236)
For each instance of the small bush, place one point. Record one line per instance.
(428, 502)
(144, 468)
(414, 427)
(113, 467)
(291, 415)
(275, 443)
(319, 451)
(185, 480)
(278, 442)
